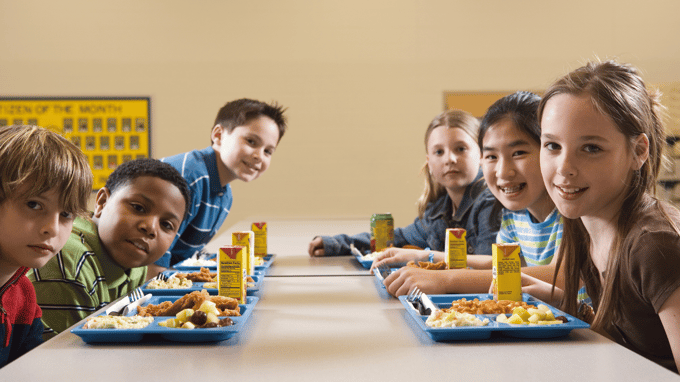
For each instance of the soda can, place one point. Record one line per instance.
(382, 232)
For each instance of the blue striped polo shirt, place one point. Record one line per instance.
(210, 204)
(538, 241)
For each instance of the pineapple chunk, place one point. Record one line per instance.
(537, 312)
(549, 316)
(502, 318)
(209, 307)
(185, 315)
(521, 312)
(212, 317)
(515, 319)
(188, 325)
(534, 318)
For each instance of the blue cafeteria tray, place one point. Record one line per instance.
(467, 333)
(154, 332)
(258, 277)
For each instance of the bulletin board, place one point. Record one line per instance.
(475, 103)
(109, 130)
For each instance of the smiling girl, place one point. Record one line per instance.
(510, 140)
(601, 148)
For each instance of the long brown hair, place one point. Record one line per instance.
(453, 119)
(617, 91)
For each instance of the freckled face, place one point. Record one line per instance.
(33, 230)
(139, 221)
(586, 162)
(452, 158)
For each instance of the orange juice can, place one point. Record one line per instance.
(231, 272)
(456, 248)
(260, 230)
(506, 270)
(246, 239)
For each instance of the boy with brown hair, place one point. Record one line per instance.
(244, 137)
(45, 182)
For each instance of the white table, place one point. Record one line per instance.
(333, 328)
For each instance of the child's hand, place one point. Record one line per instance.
(541, 290)
(402, 281)
(316, 247)
(398, 256)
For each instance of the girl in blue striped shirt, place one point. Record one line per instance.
(509, 139)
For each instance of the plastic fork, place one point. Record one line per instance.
(384, 270)
(132, 297)
(136, 294)
(162, 276)
(421, 302)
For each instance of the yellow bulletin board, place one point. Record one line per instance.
(109, 130)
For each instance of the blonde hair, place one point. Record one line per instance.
(617, 91)
(452, 119)
(43, 160)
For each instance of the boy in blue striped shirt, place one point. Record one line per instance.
(244, 137)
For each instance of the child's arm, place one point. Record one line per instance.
(338, 245)
(405, 279)
(454, 280)
(401, 256)
(479, 261)
(541, 290)
(670, 318)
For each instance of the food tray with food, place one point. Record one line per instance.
(174, 287)
(465, 331)
(154, 332)
(190, 265)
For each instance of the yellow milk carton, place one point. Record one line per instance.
(247, 240)
(507, 268)
(260, 230)
(456, 248)
(230, 272)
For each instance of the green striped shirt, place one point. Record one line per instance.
(80, 280)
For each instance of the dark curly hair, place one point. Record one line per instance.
(128, 171)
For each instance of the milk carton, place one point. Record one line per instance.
(247, 240)
(260, 230)
(507, 277)
(456, 248)
(231, 267)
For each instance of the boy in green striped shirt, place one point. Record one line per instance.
(137, 214)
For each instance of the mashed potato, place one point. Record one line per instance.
(118, 322)
(441, 319)
(173, 283)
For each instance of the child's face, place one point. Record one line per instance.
(452, 158)
(138, 222)
(587, 163)
(510, 162)
(33, 229)
(245, 152)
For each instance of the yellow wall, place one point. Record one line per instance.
(361, 79)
